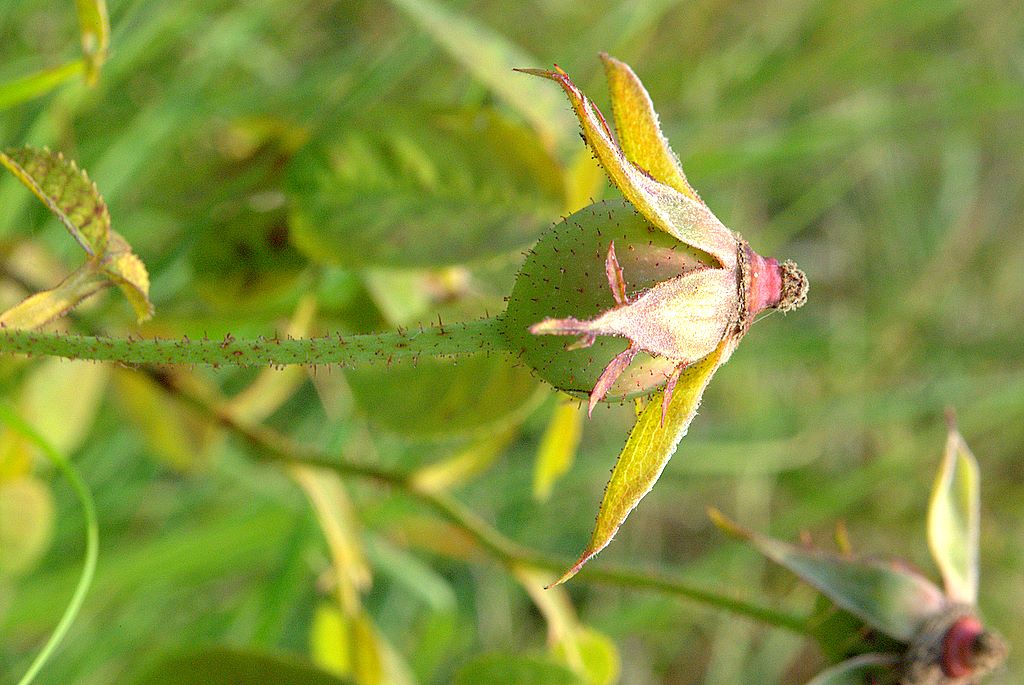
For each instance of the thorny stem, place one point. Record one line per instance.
(272, 446)
(443, 340)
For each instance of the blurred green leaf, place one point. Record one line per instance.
(26, 524)
(516, 669)
(954, 519)
(600, 662)
(651, 444)
(233, 666)
(888, 596)
(426, 190)
(94, 25)
(40, 83)
(435, 397)
(491, 57)
(242, 251)
(856, 671)
(411, 574)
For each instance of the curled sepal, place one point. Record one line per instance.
(66, 191)
(953, 519)
(679, 215)
(885, 595)
(652, 442)
(639, 131)
(859, 670)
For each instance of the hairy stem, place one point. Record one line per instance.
(443, 340)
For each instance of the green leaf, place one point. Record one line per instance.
(954, 519)
(40, 83)
(516, 669)
(94, 25)
(491, 57)
(424, 191)
(651, 443)
(233, 666)
(26, 524)
(888, 596)
(66, 191)
(859, 670)
(434, 397)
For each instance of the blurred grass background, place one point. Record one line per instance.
(878, 144)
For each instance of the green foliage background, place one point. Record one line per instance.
(876, 143)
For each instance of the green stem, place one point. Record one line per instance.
(11, 418)
(443, 340)
(273, 446)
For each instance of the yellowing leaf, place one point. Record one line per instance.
(174, 435)
(122, 267)
(463, 465)
(43, 307)
(26, 523)
(640, 134)
(886, 595)
(953, 519)
(649, 447)
(94, 25)
(337, 520)
(329, 641)
(557, 446)
(367, 652)
(66, 191)
(76, 387)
